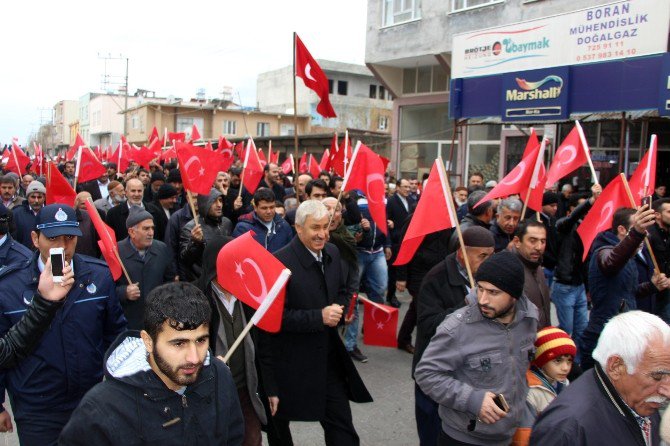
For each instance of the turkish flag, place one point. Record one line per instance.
(274, 157)
(18, 161)
(154, 135)
(385, 162)
(78, 142)
(287, 166)
(178, 136)
(156, 147)
(643, 180)
(58, 189)
(168, 154)
(199, 167)
(39, 158)
(88, 167)
(261, 157)
(324, 165)
(120, 157)
(433, 213)
(381, 324)
(314, 78)
(224, 144)
(239, 150)
(249, 272)
(195, 134)
(252, 171)
(570, 155)
(341, 156)
(107, 243)
(226, 157)
(366, 173)
(143, 156)
(599, 217)
(313, 167)
(538, 180)
(517, 180)
(302, 165)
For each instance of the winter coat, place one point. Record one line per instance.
(12, 251)
(276, 237)
(570, 269)
(591, 412)
(134, 407)
(68, 360)
(25, 221)
(471, 355)
(500, 237)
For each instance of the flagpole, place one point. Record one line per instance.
(76, 170)
(16, 160)
(244, 166)
(534, 177)
(447, 196)
(189, 196)
(646, 239)
(295, 122)
(585, 145)
(269, 151)
(262, 309)
(347, 172)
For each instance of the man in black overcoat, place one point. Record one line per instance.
(311, 375)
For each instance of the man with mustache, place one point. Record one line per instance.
(162, 385)
(479, 352)
(529, 243)
(616, 402)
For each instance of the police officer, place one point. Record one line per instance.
(11, 251)
(47, 386)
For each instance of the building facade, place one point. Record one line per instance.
(65, 113)
(450, 63)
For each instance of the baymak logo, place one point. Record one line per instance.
(512, 47)
(529, 91)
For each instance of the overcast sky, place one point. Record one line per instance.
(50, 49)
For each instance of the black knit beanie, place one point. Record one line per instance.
(504, 271)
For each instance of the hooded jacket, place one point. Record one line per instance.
(134, 407)
(190, 251)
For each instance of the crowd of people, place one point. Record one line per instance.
(489, 365)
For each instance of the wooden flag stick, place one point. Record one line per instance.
(189, 197)
(444, 178)
(260, 312)
(525, 204)
(585, 145)
(646, 239)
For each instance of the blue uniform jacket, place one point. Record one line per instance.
(68, 361)
(12, 251)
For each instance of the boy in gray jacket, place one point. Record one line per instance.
(480, 352)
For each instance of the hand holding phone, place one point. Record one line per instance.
(57, 264)
(501, 402)
(646, 201)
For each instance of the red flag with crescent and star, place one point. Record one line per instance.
(381, 324)
(224, 144)
(366, 173)
(287, 166)
(248, 271)
(154, 135)
(599, 218)
(58, 189)
(570, 155)
(88, 166)
(199, 167)
(314, 78)
(195, 133)
(78, 142)
(340, 156)
(643, 180)
(517, 180)
(252, 169)
(435, 212)
(18, 161)
(107, 243)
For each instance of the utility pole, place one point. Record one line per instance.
(110, 80)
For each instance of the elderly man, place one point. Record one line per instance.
(617, 402)
(48, 384)
(311, 372)
(117, 216)
(149, 264)
(25, 215)
(506, 222)
(477, 216)
(479, 352)
(116, 194)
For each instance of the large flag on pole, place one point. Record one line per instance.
(366, 173)
(88, 167)
(435, 212)
(78, 142)
(252, 170)
(199, 167)
(249, 272)
(643, 181)
(18, 161)
(570, 155)
(58, 189)
(314, 78)
(599, 218)
(535, 189)
(107, 243)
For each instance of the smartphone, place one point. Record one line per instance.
(646, 201)
(501, 402)
(57, 263)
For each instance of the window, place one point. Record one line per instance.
(263, 129)
(342, 88)
(229, 127)
(134, 121)
(286, 130)
(373, 92)
(330, 86)
(383, 123)
(427, 79)
(382, 92)
(395, 12)
(186, 125)
(460, 5)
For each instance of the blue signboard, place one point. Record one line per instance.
(535, 95)
(664, 87)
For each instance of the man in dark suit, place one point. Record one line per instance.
(117, 216)
(311, 377)
(398, 207)
(149, 264)
(97, 188)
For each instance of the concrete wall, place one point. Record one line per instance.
(65, 113)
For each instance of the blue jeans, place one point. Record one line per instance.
(570, 302)
(373, 268)
(549, 275)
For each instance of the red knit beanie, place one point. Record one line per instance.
(551, 343)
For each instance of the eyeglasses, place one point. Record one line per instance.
(659, 375)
